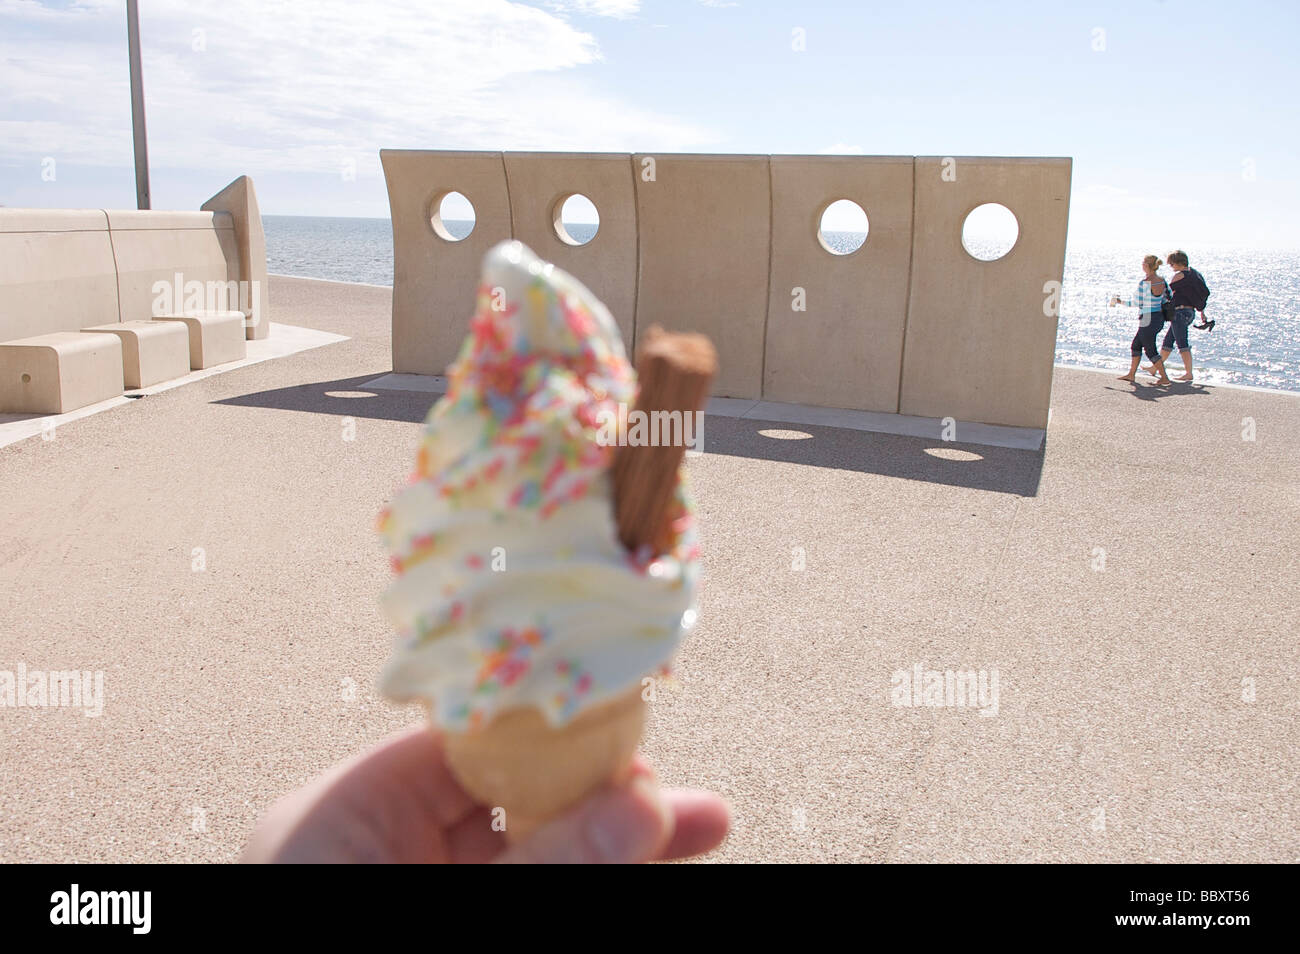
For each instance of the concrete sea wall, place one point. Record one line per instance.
(82, 292)
(68, 269)
(909, 323)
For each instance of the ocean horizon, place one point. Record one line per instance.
(1249, 345)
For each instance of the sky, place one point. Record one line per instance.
(1180, 116)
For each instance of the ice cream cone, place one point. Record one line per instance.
(533, 668)
(534, 772)
(520, 763)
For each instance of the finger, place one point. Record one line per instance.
(413, 762)
(398, 795)
(473, 840)
(640, 767)
(629, 824)
(702, 820)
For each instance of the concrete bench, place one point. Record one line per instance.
(215, 336)
(152, 351)
(60, 372)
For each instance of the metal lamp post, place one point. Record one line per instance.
(137, 105)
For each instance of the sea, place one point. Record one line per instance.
(1254, 300)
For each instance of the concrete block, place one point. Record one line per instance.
(56, 271)
(239, 199)
(979, 345)
(152, 351)
(214, 337)
(53, 220)
(59, 372)
(540, 182)
(704, 223)
(172, 262)
(845, 348)
(162, 220)
(435, 280)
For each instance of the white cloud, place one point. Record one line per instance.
(245, 86)
(619, 9)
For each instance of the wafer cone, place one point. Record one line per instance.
(534, 772)
(518, 762)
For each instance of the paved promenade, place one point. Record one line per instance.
(1133, 584)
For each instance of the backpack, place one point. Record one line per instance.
(1197, 291)
(1167, 306)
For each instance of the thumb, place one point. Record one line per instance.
(625, 825)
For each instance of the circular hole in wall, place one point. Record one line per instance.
(989, 232)
(576, 219)
(452, 216)
(843, 227)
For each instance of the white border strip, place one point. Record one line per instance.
(428, 383)
(332, 281)
(931, 428)
(283, 340)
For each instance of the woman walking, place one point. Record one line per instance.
(1189, 293)
(1149, 299)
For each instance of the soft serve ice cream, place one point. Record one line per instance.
(512, 589)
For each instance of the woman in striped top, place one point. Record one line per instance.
(1149, 299)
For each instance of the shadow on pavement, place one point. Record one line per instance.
(1148, 390)
(1000, 469)
(346, 397)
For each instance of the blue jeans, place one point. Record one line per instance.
(1177, 332)
(1149, 326)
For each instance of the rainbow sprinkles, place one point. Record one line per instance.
(510, 586)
